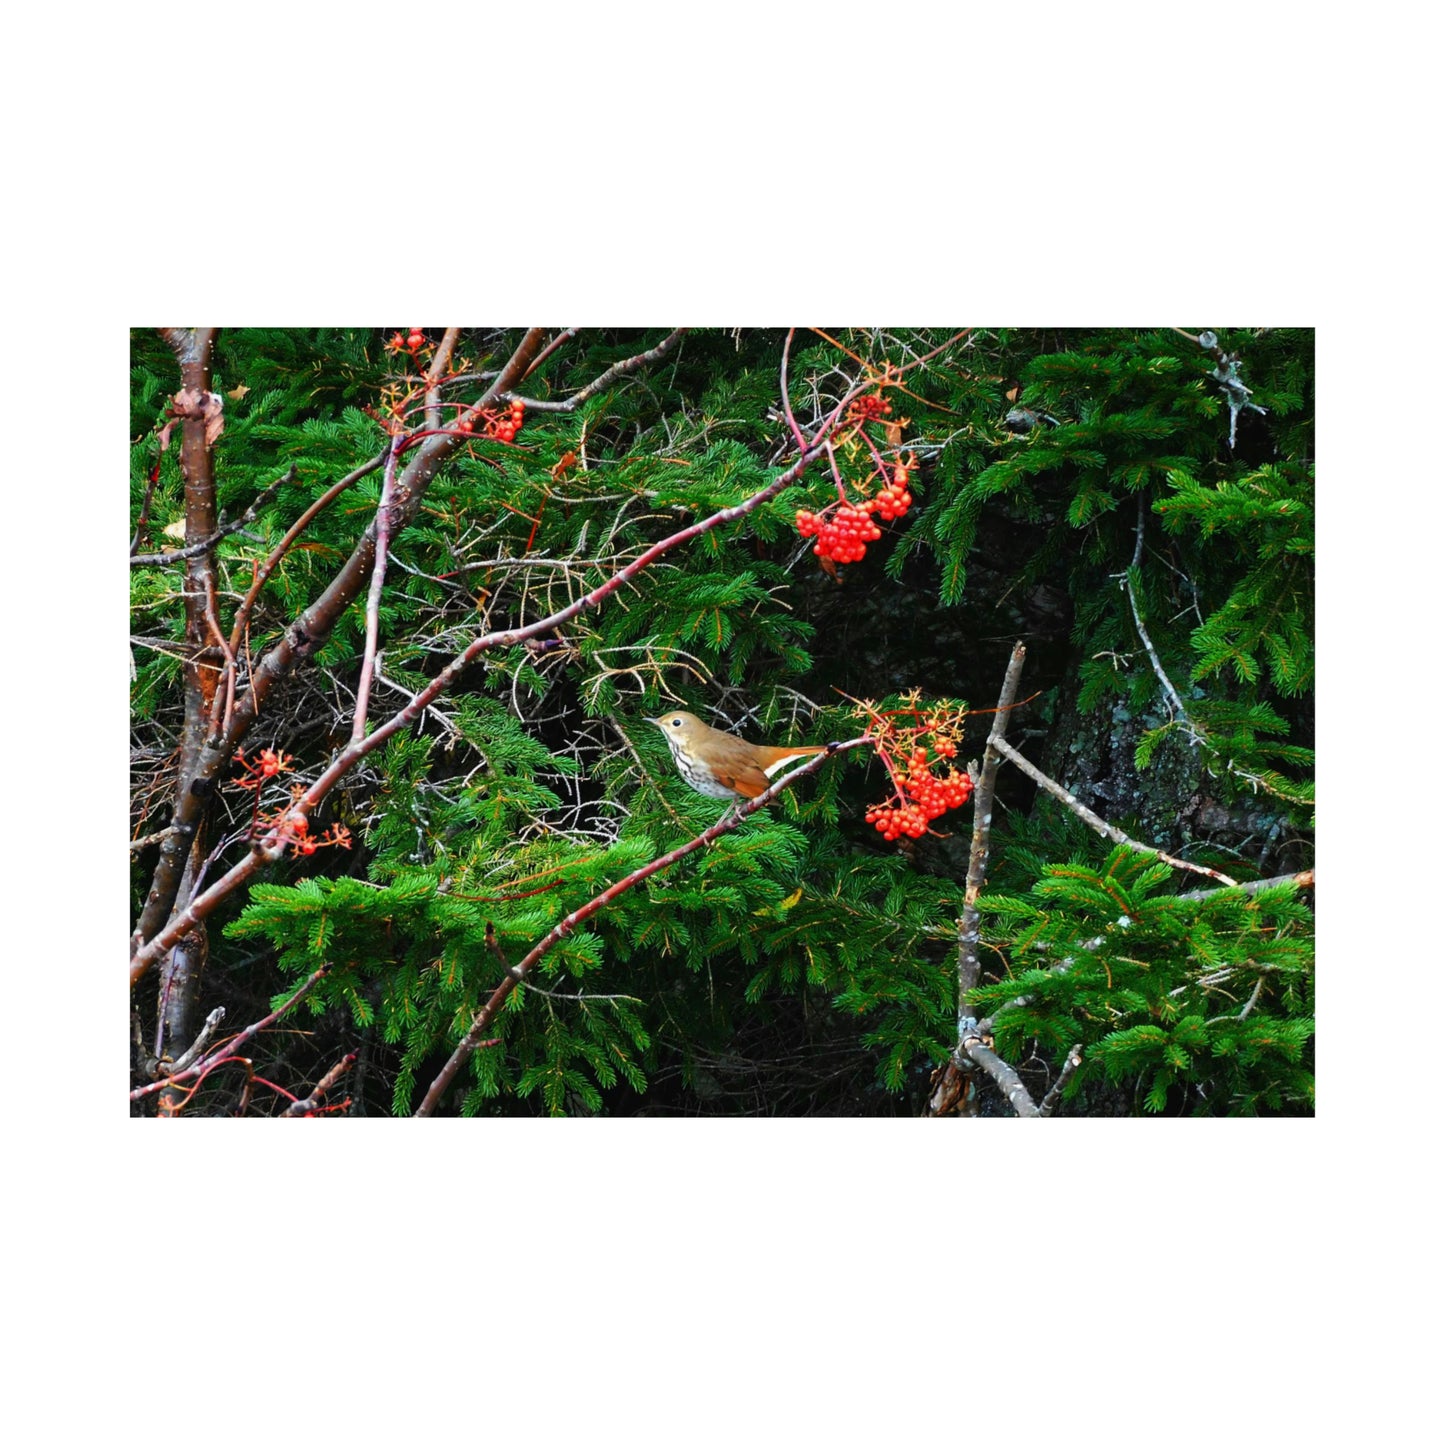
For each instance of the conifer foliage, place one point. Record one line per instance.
(401, 599)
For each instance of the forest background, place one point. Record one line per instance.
(1132, 507)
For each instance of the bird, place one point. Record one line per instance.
(722, 765)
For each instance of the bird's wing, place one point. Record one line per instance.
(745, 778)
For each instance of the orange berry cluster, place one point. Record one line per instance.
(844, 536)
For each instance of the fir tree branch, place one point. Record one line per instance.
(732, 820)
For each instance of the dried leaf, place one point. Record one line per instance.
(206, 405)
(237, 392)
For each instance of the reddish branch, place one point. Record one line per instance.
(243, 612)
(482, 1021)
(227, 1050)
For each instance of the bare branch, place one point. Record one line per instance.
(613, 373)
(1050, 1101)
(1013, 1087)
(946, 1090)
(309, 1105)
(378, 583)
(1105, 830)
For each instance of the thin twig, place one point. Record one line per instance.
(313, 1101)
(378, 584)
(1169, 689)
(243, 613)
(155, 559)
(526, 983)
(622, 368)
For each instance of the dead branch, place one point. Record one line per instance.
(1104, 829)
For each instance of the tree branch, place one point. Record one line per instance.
(269, 850)
(194, 549)
(303, 638)
(947, 1089)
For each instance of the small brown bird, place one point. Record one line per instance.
(718, 764)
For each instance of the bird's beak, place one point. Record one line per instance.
(656, 721)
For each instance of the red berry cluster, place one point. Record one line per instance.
(869, 408)
(284, 825)
(296, 829)
(844, 535)
(922, 794)
(413, 342)
(268, 763)
(912, 741)
(502, 426)
(895, 499)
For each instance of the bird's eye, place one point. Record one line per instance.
(677, 722)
